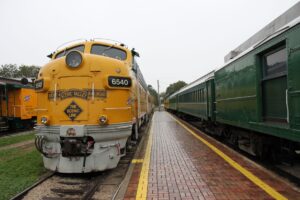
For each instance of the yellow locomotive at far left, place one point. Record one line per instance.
(18, 105)
(21, 103)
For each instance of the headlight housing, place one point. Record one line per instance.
(39, 84)
(44, 120)
(74, 59)
(102, 119)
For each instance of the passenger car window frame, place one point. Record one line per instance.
(264, 62)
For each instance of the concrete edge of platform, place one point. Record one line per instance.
(124, 185)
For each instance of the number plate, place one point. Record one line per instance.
(39, 84)
(115, 81)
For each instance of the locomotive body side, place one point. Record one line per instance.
(86, 113)
(18, 104)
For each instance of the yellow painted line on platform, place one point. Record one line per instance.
(143, 180)
(257, 181)
(137, 161)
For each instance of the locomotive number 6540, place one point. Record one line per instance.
(116, 81)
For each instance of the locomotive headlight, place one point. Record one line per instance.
(74, 59)
(102, 119)
(44, 120)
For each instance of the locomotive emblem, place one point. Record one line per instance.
(82, 94)
(71, 132)
(27, 98)
(73, 110)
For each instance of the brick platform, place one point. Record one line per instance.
(182, 167)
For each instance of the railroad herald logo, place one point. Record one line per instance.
(71, 132)
(27, 98)
(73, 110)
(77, 93)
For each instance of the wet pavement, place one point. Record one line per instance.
(182, 166)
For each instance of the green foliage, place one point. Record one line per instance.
(14, 71)
(174, 87)
(18, 170)
(15, 139)
(8, 70)
(28, 71)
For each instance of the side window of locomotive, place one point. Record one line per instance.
(275, 63)
(135, 65)
(108, 51)
(63, 53)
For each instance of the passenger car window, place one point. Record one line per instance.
(275, 62)
(108, 51)
(63, 53)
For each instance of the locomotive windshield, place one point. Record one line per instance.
(108, 51)
(63, 53)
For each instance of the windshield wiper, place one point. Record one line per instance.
(101, 53)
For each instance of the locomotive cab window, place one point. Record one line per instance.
(274, 84)
(63, 53)
(108, 51)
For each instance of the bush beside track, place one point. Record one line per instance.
(20, 166)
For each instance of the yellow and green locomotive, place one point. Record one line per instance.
(92, 99)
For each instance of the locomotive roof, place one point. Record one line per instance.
(107, 42)
(14, 82)
(77, 42)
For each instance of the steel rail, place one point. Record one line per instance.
(22, 194)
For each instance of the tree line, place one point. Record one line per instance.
(174, 87)
(171, 89)
(14, 71)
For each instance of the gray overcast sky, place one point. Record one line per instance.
(177, 39)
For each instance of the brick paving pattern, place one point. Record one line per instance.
(182, 167)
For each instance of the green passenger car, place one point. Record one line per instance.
(260, 89)
(195, 99)
(253, 101)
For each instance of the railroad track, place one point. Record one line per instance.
(100, 185)
(78, 186)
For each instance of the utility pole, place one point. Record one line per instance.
(158, 96)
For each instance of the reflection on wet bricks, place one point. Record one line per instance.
(186, 164)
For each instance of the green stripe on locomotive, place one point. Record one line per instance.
(254, 93)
